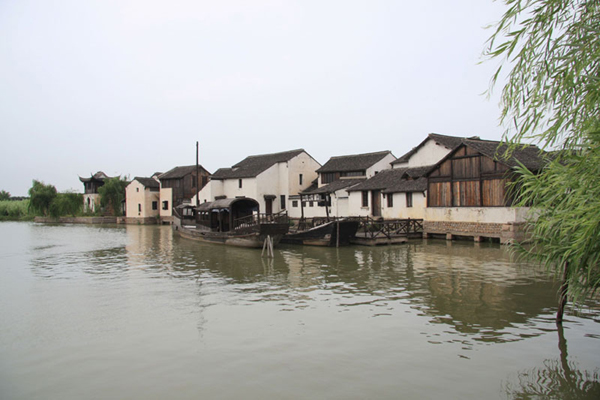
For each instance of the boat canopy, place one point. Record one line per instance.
(222, 214)
(230, 203)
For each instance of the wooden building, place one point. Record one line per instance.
(179, 185)
(468, 191)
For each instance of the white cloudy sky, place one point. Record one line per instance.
(129, 86)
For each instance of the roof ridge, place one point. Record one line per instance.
(362, 154)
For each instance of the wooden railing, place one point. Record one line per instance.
(255, 219)
(307, 223)
(372, 228)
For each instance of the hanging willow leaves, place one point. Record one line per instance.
(551, 49)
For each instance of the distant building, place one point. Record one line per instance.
(142, 200)
(91, 197)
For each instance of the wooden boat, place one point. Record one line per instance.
(234, 222)
(330, 233)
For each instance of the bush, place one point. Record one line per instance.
(14, 209)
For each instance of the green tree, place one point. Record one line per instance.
(552, 97)
(112, 194)
(41, 196)
(4, 195)
(67, 203)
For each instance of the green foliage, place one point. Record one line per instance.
(552, 97)
(112, 194)
(13, 209)
(41, 196)
(4, 195)
(67, 203)
(565, 198)
(552, 91)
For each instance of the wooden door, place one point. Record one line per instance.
(376, 203)
(269, 206)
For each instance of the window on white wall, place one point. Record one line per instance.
(409, 200)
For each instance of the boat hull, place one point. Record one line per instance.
(251, 238)
(324, 235)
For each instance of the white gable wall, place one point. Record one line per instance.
(384, 163)
(430, 153)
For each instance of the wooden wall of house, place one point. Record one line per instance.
(468, 179)
(184, 188)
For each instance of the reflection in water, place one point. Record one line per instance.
(557, 379)
(476, 290)
(423, 319)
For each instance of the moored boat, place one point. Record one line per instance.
(338, 232)
(230, 221)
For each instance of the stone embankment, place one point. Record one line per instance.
(77, 220)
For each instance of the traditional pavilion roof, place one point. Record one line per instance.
(180, 172)
(449, 142)
(333, 186)
(356, 162)
(252, 166)
(148, 182)
(98, 176)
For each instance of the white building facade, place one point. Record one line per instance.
(270, 179)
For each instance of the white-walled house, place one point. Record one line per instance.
(142, 200)
(329, 196)
(270, 179)
(397, 193)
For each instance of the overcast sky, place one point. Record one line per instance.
(128, 86)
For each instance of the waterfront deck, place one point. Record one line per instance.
(373, 232)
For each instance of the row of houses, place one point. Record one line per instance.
(458, 186)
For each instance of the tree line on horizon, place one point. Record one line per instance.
(44, 200)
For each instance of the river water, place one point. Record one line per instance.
(134, 312)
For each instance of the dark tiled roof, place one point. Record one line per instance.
(450, 142)
(380, 181)
(418, 172)
(252, 166)
(334, 186)
(408, 185)
(356, 162)
(180, 172)
(147, 182)
(530, 156)
(397, 180)
(98, 176)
